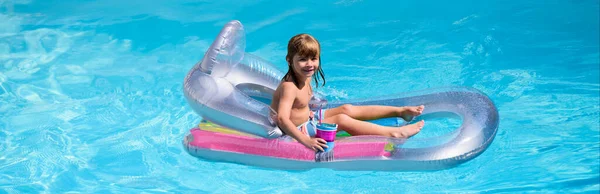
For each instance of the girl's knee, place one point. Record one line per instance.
(346, 109)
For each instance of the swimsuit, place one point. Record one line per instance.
(309, 127)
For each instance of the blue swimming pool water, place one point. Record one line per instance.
(91, 91)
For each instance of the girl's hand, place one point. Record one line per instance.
(315, 144)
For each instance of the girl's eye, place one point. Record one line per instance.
(302, 59)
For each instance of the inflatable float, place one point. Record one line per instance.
(231, 91)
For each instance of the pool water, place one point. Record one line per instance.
(91, 94)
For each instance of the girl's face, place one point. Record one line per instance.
(305, 67)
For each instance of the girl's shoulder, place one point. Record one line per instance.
(287, 86)
(291, 85)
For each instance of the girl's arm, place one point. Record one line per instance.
(286, 100)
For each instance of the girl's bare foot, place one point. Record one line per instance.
(408, 130)
(411, 112)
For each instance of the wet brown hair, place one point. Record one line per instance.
(305, 46)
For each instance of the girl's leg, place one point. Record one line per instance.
(373, 112)
(357, 127)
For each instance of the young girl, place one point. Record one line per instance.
(291, 99)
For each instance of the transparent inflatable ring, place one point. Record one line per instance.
(231, 91)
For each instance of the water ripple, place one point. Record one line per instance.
(91, 102)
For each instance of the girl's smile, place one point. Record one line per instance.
(305, 66)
